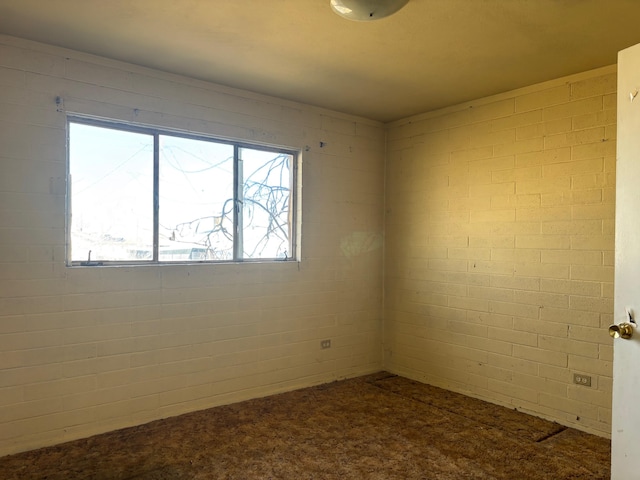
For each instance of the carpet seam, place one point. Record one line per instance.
(552, 434)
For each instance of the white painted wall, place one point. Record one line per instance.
(87, 350)
(499, 248)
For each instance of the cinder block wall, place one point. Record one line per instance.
(498, 273)
(87, 350)
(499, 248)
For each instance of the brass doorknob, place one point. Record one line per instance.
(623, 330)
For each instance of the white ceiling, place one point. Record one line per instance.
(431, 54)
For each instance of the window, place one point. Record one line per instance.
(141, 195)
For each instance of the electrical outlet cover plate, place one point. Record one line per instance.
(584, 380)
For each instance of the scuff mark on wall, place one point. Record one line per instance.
(358, 243)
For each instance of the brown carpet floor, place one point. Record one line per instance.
(374, 427)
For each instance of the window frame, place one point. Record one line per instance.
(156, 132)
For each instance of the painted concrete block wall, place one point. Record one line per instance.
(499, 248)
(87, 350)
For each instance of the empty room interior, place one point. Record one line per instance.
(336, 243)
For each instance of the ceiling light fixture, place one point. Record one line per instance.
(366, 10)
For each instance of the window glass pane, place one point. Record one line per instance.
(196, 200)
(111, 193)
(266, 187)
